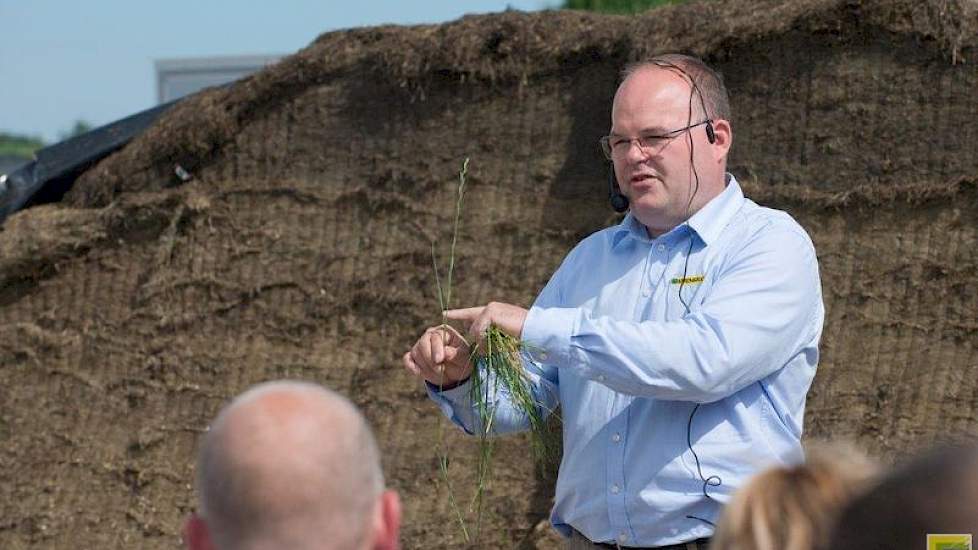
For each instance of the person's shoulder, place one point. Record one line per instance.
(759, 221)
(605, 235)
(592, 247)
(601, 239)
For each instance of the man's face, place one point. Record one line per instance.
(658, 181)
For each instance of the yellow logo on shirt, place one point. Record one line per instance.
(691, 280)
(948, 542)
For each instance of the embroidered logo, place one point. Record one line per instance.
(691, 280)
(948, 542)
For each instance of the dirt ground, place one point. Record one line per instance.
(301, 247)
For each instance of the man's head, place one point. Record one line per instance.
(668, 179)
(291, 465)
(934, 494)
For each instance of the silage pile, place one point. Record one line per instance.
(300, 248)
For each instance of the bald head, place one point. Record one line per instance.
(711, 92)
(289, 465)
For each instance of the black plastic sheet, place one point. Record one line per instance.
(54, 170)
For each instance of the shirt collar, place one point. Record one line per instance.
(629, 227)
(716, 214)
(707, 223)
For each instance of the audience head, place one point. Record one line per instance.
(291, 465)
(936, 493)
(793, 507)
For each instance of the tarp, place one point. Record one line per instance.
(51, 174)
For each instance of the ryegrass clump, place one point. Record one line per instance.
(503, 372)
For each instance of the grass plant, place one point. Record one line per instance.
(499, 371)
(444, 300)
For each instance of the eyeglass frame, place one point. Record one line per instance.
(608, 150)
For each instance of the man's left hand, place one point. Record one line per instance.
(506, 317)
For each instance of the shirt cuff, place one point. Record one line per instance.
(547, 335)
(449, 394)
(448, 400)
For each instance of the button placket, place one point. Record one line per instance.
(644, 287)
(615, 472)
(653, 270)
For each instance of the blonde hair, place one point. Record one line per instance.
(794, 507)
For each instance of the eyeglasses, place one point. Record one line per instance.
(616, 146)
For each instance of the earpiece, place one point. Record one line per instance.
(711, 136)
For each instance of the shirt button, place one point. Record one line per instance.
(623, 538)
(646, 292)
(661, 248)
(615, 489)
(544, 356)
(600, 378)
(616, 438)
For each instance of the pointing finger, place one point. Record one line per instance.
(466, 315)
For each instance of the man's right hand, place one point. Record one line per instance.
(440, 356)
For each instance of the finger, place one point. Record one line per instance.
(410, 365)
(414, 357)
(466, 315)
(425, 370)
(437, 347)
(418, 355)
(451, 353)
(453, 337)
(479, 328)
(435, 375)
(426, 348)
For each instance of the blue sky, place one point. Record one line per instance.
(65, 60)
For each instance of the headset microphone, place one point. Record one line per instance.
(618, 200)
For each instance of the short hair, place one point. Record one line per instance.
(793, 507)
(935, 493)
(286, 480)
(706, 81)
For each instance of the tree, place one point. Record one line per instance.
(78, 129)
(18, 146)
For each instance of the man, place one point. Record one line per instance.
(930, 502)
(291, 465)
(679, 344)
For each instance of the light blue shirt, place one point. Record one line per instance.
(614, 344)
